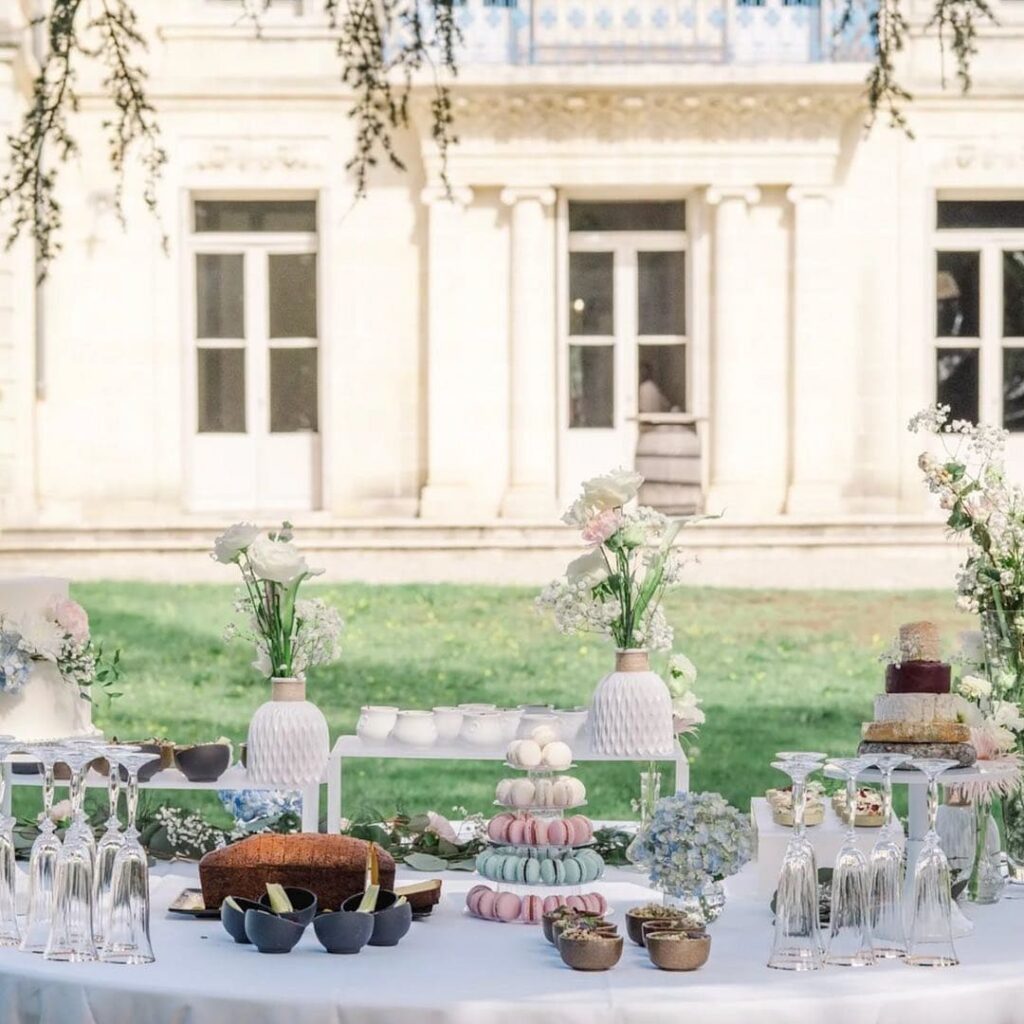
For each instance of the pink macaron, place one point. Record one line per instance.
(576, 903)
(531, 909)
(541, 828)
(601, 903)
(593, 903)
(497, 828)
(583, 826)
(507, 907)
(485, 903)
(516, 830)
(558, 832)
(550, 903)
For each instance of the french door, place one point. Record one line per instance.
(255, 371)
(624, 351)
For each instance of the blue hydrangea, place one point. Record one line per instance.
(693, 839)
(15, 663)
(247, 806)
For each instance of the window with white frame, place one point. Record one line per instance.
(256, 331)
(627, 317)
(979, 310)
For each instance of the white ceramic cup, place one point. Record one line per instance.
(482, 728)
(571, 721)
(510, 719)
(415, 728)
(376, 722)
(448, 722)
(478, 707)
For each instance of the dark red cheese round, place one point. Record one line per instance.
(917, 677)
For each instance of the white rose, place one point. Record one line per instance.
(975, 688)
(590, 567)
(682, 669)
(686, 713)
(1008, 716)
(967, 712)
(278, 561)
(42, 637)
(612, 490)
(233, 541)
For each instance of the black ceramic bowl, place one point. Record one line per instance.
(343, 931)
(390, 922)
(270, 933)
(234, 920)
(303, 901)
(204, 762)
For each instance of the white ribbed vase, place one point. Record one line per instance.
(288, 739)
(631, 713)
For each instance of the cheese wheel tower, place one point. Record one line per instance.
(917, 715)
(536, 844)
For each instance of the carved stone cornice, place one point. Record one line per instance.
(510, 113)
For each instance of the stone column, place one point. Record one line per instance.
(533, 416)
(448, 493)
(742, 479)
(819, 384)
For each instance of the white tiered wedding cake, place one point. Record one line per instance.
(46, 706)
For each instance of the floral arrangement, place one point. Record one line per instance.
(693, 839)
(615, 588)
(425, 842)
(252, 806)
(60, 635)
(970, 483)
(290, 635)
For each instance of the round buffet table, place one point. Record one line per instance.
(453, 969)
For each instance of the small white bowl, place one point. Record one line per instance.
(530, 720)
(415, 728)
(571, 721)
(448, 722)
(376, 721)
(510, 719)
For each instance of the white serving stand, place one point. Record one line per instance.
(236, 777)
(353, 746)
(917, 797)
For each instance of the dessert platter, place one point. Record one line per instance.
(532, 845)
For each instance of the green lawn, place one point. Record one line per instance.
(778, 669)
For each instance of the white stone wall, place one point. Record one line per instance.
(810, 244)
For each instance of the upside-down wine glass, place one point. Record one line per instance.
(71, 934)
(42, 865)
(797, 942)
(888, 867)
(111, 841)
(9, 934)
(931, 928)
(849, 939)
(126, 938)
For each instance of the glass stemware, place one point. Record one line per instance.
(126, 936)
(797, 942)
(71, 934)
(931, 930)
(42, 865)
(111, 841)
(9, 934)
(849, 942)
(888, 867)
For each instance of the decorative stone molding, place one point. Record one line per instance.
(544, 196)
(248, 156)
(797, 194)
(458, 195)
(655, 114)
(750, 194)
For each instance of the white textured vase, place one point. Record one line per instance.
(631, 713)
(288, 738)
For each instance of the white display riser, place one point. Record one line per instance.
(826, 839)
(235, 777)
(354, 747)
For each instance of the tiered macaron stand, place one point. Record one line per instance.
(352, 747)
(523, 870)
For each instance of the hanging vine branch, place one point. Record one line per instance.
(956, 22)
(382, 45)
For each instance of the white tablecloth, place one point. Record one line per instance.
(453, 969)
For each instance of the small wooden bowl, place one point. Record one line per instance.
(635, 924)
(597, 954)
(679, 950)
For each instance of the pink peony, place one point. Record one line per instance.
(602, 526)
(441, 827)
(72, 618)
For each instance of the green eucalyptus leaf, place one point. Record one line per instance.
(425, 862)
